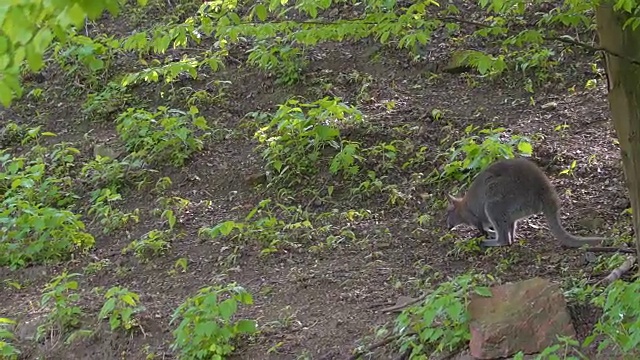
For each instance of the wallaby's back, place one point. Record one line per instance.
(518, 188)
(517, 182)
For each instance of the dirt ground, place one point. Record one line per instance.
(323, 304)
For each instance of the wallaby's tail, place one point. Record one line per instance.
(568, 240)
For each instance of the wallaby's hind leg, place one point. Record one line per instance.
(502, 227)
(512, 235)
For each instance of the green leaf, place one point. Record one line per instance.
(17, 26)
(107, 308)
(246, 326)
(6, 321)
(246, 298)
(5, 94)
(200, 123)
(73, 16)
(128, 298)
(261, 12)
(228, 308)
(41, 40)
(483, 291)
(226, 227)
(324, 132)
(205, 328)
(525, 147)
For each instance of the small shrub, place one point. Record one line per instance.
(558, 351)
(153, 243)
(274, 226)
(12, 134)
(166, 135)
(61, 296)
(112, 98)
(120, 307)
(440, 322)
(104, 172)
(109, 216)
(471, 154)
(206, 328)
(285, 61)
(292, 142)
(619, 321)
(33, 227)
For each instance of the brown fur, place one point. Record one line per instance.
(505, 192)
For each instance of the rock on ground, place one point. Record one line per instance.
(523, 316)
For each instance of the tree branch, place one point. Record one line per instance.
(564, 38)
(569, 40)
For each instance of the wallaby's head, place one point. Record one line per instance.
(454, 212)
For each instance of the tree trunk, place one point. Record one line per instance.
(623, 75)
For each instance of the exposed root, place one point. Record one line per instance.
(619, 271)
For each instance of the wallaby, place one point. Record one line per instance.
(505, 192)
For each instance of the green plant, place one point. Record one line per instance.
(96, 266)
(60, 158)
(559, 351)
(61, 296)
(619, 321)
(110, 217)
(386, 152)
(285, 60)
(171, 208)
(7, 350)
(181, 264)
(12, 134)
(279, 42)
(373, 185)
(110, 99)
(33, 227)
(166, 135)
(570, 169)
(106, 172)
(471, 154)
(294, 140)
(464, 248)
(274, 226)
(85, 56)
(29, 30)
(439, 322)
(207, 327)
(153, 243)
(120, 308)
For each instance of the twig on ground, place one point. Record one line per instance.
(619, 271)
(404, 304)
